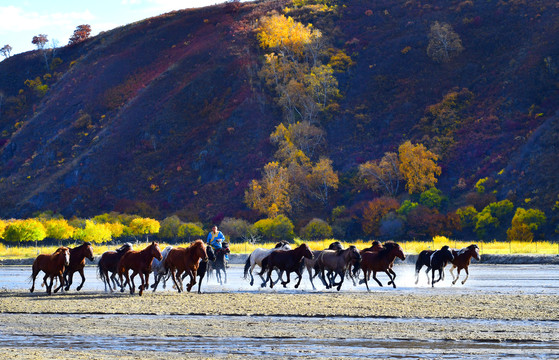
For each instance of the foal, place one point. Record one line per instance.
(462, 260)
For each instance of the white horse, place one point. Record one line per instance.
(256, 257)
(160, 272)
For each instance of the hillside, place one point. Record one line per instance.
(168, 115)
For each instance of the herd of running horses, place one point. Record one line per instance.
(197, 259)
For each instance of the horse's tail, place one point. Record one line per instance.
(265, 262)
(100, 273)
(247, 266)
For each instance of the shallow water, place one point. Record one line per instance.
(517, 279)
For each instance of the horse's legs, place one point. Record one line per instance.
(130, 281)
(225, 274)
(142, 283)
(284, 283)
(375, 278)
(61, 285)
(365, 275)
(342, 277)
(49, 287)
(427, 273)
(452, 273)
(179, 288)
(300, 277)
(269, 278)
(417, 274)
(83, 280)
(250, 272)
(467, 275)
(264, 281)
(309, 270)
(192, 274)
(393, 277)
(68, 278)
(33, 276)
(390, 277)
(280, 273)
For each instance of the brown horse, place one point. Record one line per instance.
(337, 262)
(52, 265)
(383, 260)
(108, 263)
(462, 260)
(140, 263)
(285, 260)
(186, 260)
(77, 263)
(310, 264)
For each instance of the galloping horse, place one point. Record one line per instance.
(160, 272)
(77, 263)
(462, 260)
(140, 263)
(52, 265)
(219, 263)
(382, 260)
(259, 254)
(310, 264)
(203, 266)
(337, 262)
(285, 260)
(434, 260)
(186, 260)
(108, 263)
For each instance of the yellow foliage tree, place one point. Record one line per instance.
(58, 229)
(383, 175)
(418, 167)
(93, 233)
(270, 196)
(288, 36)
(321, 179)
(144, 226)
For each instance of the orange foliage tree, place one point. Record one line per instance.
(418, 167)
(374, 211)
(383, 175)
(80, 34)
(270, 196)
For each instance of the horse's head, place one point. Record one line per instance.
(225, 247)
(210, 252)
(336, 245)
(306, 251)
(446, 253)
(155, 251)
(88, 251)
(354, 253)
(395, 249)
(475, 251)
(200, 249)
(281, 244)
(65, 252)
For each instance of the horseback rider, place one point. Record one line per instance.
(215, 239)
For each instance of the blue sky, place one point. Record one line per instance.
(20, 20)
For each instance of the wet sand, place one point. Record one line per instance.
(191, 318)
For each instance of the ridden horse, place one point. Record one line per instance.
(285, 260)
(434, 260)
(186, 260)
(259, 254)
(337, 262)
(160, 272)
(462, 260)
(140, 264)
(52, 265)
(310, 264)
(382, 260)
(108, 263)
(219, 263)
(77, 263)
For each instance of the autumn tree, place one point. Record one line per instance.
(525, 223)
(374, 211)
(80, 34)
(444, 43)
(285, 35)
(382, 175)
(92, 232)
(24, 231)
(270, 196)
(40, 41)
(58, 229)
(6, 51)
(418, 167)
(321, 179)
(144, 226)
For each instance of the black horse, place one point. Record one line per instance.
(203, 267)
(219, 264)
(434, 260)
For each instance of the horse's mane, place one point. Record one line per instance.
(124, 247)
(446, 247)
(196, 243)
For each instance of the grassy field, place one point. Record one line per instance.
(410, 247)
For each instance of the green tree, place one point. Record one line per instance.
(432, 198)
(525, 223)
(275, 229)
(467, 216)
(191, 231)
(316, 229)
(169, 228)
(24, 231)
(406, 207)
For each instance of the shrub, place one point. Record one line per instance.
(275, 229)
(406, 207)
(316, 229)
(236, 229)
(432, 198)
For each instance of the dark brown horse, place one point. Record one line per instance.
(312, 266)
(187, 260)
(108, 263)
(285, 260)
(462, 260)
(52, 265)
(140, 264)
(337, 262)
(77, 263)
(219, 264)
(382, 260)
